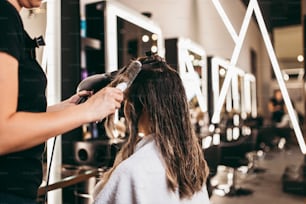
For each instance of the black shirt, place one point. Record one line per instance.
(278, 111)
(21, 172)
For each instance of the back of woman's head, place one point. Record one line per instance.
(158, 92)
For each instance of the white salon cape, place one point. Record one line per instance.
(141, 179)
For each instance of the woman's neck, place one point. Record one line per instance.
(16, 4)
(143, 130)
(144, 125)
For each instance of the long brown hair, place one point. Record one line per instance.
(158, 91)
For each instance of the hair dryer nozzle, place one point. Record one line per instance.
(95, 83)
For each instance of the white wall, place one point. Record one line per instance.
(167, 13)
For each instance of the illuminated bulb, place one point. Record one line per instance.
(206, 142)
(229, 134)
(222, 72)
(145, 38)
(246, 130)
(211, 128)
(216, 139)
(154, 37)
(236, 133)
(236, 119)
(300, 58)
(286, 77)
(154, 49)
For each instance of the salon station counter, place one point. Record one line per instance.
(69, 175)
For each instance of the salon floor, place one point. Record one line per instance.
(266, 185)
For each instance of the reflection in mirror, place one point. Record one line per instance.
(133, 41)
(228, 122)
(189, 59)
(238, 92)
(250, 95)
(218, 70)
(227, 108)
(129, 34)
(193, 71)
(113, 34)
(235, 95)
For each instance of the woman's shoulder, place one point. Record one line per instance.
(200, 197)
(144, 159)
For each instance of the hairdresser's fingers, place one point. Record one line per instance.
(105, 102)
(118, 94)
(111, 101)
(84, 93)
(117, 105)
(81, 95)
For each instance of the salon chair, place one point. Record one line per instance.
(273, 138)
(254, 123)
(212, 157)
(233, 155)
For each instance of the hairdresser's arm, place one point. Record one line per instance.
(22, 130)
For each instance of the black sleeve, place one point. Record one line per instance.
(11, 31)
(272, 100)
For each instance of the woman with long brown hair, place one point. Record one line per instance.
(162, 161)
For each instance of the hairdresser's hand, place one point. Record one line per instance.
(103, 103)
(76, 97)
(69, 102)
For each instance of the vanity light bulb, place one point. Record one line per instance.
(154, 37)
(145, 38)
(300, 58)
(154, 49)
